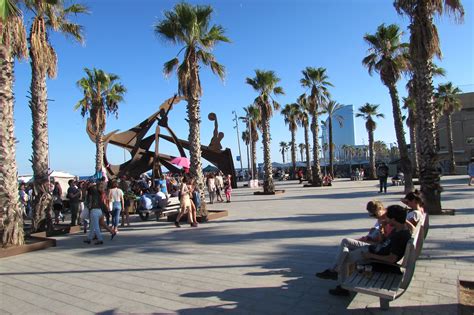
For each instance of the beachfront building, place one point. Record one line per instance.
(341, 135)
(463, 134)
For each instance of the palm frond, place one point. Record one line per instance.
(170, 66)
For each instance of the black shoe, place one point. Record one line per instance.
(113, 235)
(338, 291)
(99, 243)
(177, 224)
(327, 274)
(87, 241)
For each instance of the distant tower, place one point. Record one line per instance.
(346, 133)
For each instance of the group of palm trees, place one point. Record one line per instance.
(189, 26)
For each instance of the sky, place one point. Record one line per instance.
(280, 35)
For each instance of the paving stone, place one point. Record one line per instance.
(261, 259)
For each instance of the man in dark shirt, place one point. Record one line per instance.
(389, 251)
(74, 195)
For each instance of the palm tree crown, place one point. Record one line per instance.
(102, 95)
(387, 54)
(265, 83)
(190, 26)
(447, 100)
(316, 80)
(369, 112)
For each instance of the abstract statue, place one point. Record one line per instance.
(143, 159)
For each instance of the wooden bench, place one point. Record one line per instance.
(390, 286)
(172, 208)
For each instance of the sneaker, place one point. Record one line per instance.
(339, 291)
(176, 223)
(327, 274)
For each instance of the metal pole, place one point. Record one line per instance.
(238, 138)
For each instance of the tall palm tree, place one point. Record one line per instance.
(12, 45)
(253, 120)
(48, 16)
(290, 113)
(410, 105)
(388, 57)
(330, 108)
(283, 147)
(302, 148)
(447, 102)
(189, 26)
(316, 80)
(102, 94)
(369, 112)
(265, 83)
(424, 45)
(247, 141)
(303, 121)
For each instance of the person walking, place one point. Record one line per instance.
(95, 204)
(382, 174)
(219, 186)
(116, 198)
(470, 171)
(228, 188)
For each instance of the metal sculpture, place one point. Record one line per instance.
(143, 159)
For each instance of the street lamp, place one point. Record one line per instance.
(238, 138)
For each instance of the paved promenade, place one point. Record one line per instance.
(261, 259)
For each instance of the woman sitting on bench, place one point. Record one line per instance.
(414, 200)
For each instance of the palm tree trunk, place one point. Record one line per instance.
(373, 174)
(42, 199)
(254, 160)
(317, 181)
(268, 186)
(449, 131)
(99, 152)
(283, 155)
(331, 152)
(413, 142)
(11, 221)
(248, 159)
(293, 151)
(402, 145)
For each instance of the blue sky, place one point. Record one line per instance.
(284, 36)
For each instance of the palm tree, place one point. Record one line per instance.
(381, 149)
(265, 83)
(447, 102)
(410, 105)
(369, 112)
(388, 57)
(290, 113)
(253, 120)
(102, 95)
(303, 121)
(317, 81)
(48, 16)
(189, 26)
(302, 148)
(246, 140)
(424, 44)
(283, 147)
(330, 108)
(12, 45)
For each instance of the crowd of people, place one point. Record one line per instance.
(385, 242)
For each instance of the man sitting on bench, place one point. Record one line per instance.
(389, 251)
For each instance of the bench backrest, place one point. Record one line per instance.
(412, 252)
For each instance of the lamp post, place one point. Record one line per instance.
(238, 138)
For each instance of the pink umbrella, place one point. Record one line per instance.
(180, 161)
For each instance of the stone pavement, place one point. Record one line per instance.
(261, 259)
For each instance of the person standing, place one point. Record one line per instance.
(116, 198)
(211, 187)
(470, 171)
(57, 202)
(382, 174)
(74, 196)
(228, 188)
(219, 186)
